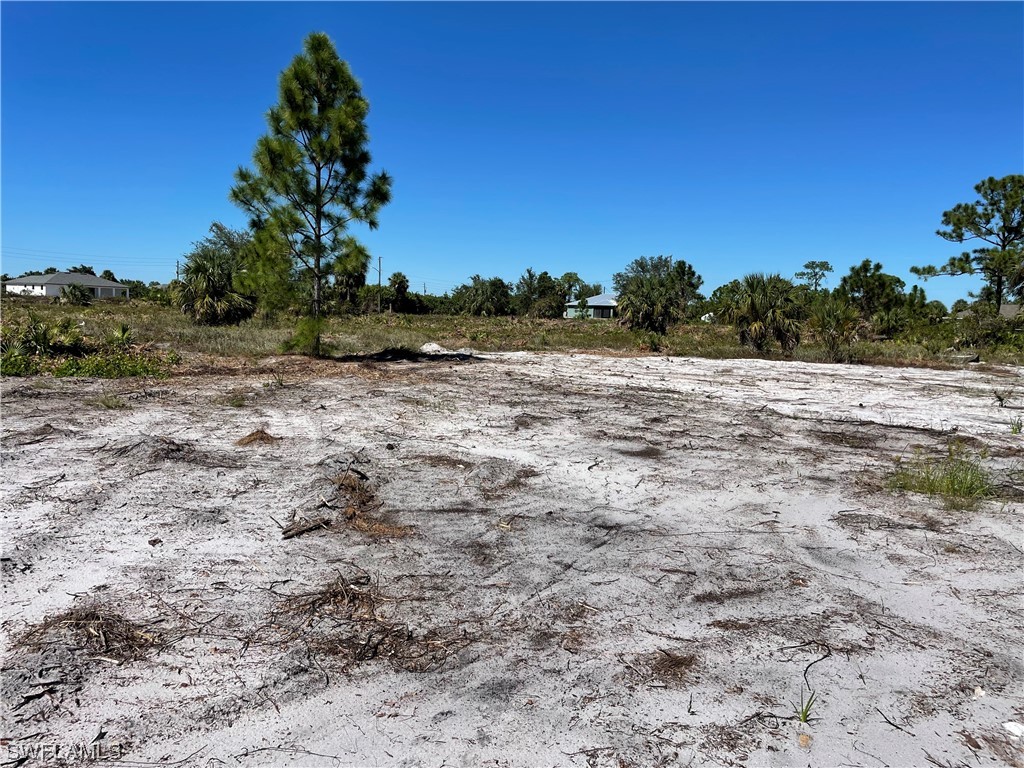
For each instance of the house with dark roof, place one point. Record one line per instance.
(52, 284)
(1006, 311)
(601, 306)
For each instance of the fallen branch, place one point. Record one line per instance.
(297, 529)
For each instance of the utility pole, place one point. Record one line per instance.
(378, 285)
(177, 269)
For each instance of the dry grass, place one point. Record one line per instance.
(360, 504)
(676, 666)
(95, 629)
(361, 334)
(259, 436)
(721, 595)
(345, 620)
(339, 599)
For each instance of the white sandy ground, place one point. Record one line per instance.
(575, 521)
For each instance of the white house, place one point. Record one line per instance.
(601, 306)
(51, 285)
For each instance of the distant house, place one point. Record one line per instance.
(601, 306)
(1006, 311)
(52, 284)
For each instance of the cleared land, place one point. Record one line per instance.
(512, 559)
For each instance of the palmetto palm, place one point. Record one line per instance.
(834, 321)
(649, 303)
(764, 309)
(206, 291)
(350, 267)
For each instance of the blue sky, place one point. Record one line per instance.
(562, 136)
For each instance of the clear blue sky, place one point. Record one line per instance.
(740, 137)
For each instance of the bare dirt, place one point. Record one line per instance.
(514, 559)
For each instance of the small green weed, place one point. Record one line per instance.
(235, 398)
(121, 337)
(958, 477)
(1016, 426)
(803, 711)
(275, 383)
(111, 402)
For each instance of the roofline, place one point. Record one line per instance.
(65, 278)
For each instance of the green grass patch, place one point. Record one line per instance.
(959, 478)
(110, 402)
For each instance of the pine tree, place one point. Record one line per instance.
(311, 177)
(996, 219)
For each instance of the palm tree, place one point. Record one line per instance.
(206, 291)
(350, 268)
(834, 322)
(399, 284)
(75, 294)
(764, 309)
(649, 302)
(487, 297)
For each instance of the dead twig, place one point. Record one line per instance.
(890, 722)
(305, 526)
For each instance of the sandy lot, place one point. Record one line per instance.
(513, 560)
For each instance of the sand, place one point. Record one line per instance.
(511, 560)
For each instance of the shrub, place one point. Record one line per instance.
(308, 337)
(62, 349)
(75, 295)
(834, 322)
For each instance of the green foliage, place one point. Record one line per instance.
(308, 337)
(311, 179)
(814, 273)
(121, 337)
(887, 323)
(653, 293)
(206, 293)
(869, 289)
(110, 402)
(959, 478)
(582, 309)
(15, 361)
(834, 322)
(986, 330)
(110, 365)
(803, 711)
(74, 295)
(1016, 426)
(349, 269)
(724, 297)
(763, 310)
(490, 297)
(997, 220)
(544, 296)
(399, 285)
(61, 349)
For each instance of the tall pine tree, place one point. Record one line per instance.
(996, 219)
(311, 178)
